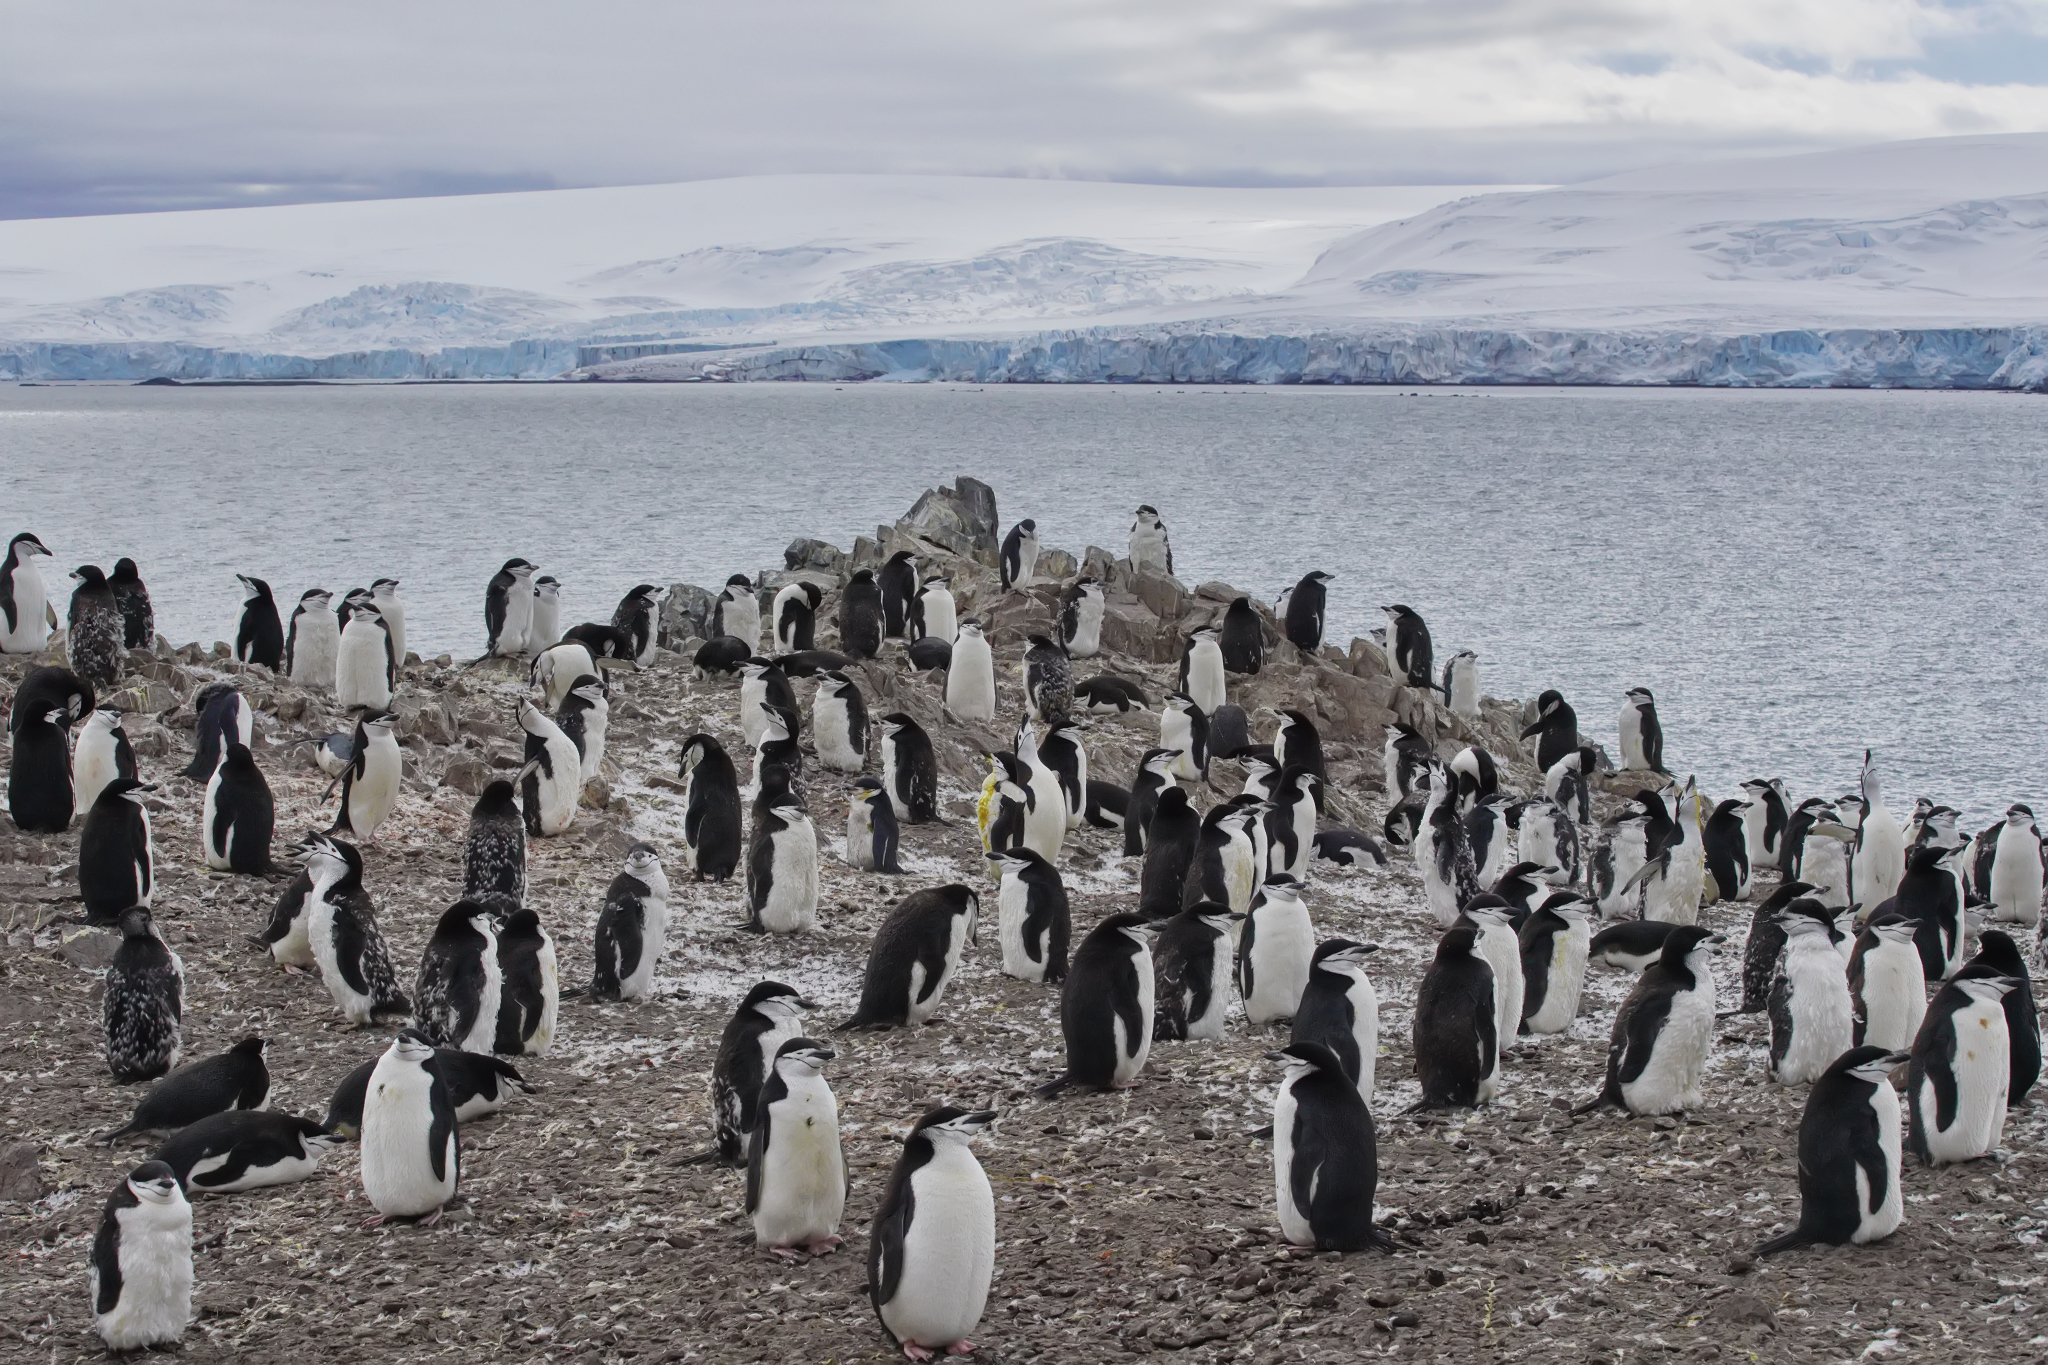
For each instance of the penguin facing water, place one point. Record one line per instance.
(931, 1248)
(1303, 616)
(971, 679)
(1081, 618)
(1033, 922)
(312, 643)
(1726, 845)
(224, 718)
(39, 793)
(259, 639)
(24, 597)
(861, 623)
(898, 582)
(1018, 562)
(1325, 1155)
(95, 629)
(238, 815)
(1242, 640)
(913, 958)
(509, 611)
(1107, 1005)
(140, 1271)
(1880, 844)
(1849, 1155)
(796, 616)
(529, 987)
(1048, 681)
(551, 781)
(1408, 647)
(639, 615)
(1763, 823)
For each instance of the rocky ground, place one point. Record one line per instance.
(1129, 1225)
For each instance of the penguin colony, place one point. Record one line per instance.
(1899, 972)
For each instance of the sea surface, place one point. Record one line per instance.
(1797, 575)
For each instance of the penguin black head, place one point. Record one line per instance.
(1028, 524)
(806, 1052)
(89, 576)
(1870, 1064)
(861, 576)
(775, 999)
(1996, 949)
(815, 594)
(642, 859)
(739, 580)
(125, 572)
(254, 589)
(1308, 1057)
(127, 789)
(1048, 644)
(155, 1182)
(499, 798)
(27, 544)
(315, 599)
(412, 1046)
(1335, 952)
(866, 787)
(1681, 942)
(1173, 801)
(2017, 814)
(1641, 696)
(957, 1125)
(136, 923)
(462, 915)
(249, 1047)
(238, 759)
(517, 567)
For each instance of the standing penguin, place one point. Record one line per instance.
(24, 598)
(1304, 615)
(1325, 1154)
(1106, 1006)
(455, 998)
(762, 684)
(1880, 843)
(369, 785)
(1408, 647)
(348, 945)
(530, 987)
(1005, 797)
(639, 615)
(1887, 984)
(1202, 669)
(796, 1167)
(1727, 852)
(898, 582)
(1998, 953)
(1045, 814)
(138, 617)
(861, 623)
(782, 868)
(1457, 1052)
(910, 769)
(1063, 751)
(1642, 736)
(1150, 549)
(1243, 638)
(1555, 729)
(932, 1245)
(1961, 1072)
(239, 816)
(914, 956)
(1081, 618)
(632, 928)
(384, 597)
(1291, 824)
(1340, 1011)
(96, 628)
(933, 615)
(1555, 942)
(1019, 559)
(971, 680)
(1156, 772)
(365, 669)
(494, 851)
(546, 627)
(144, 1005)
(711, 809)
(1443, 853)
(1192, 962)
(1298, 744)
(769, 1016)
(508, 610)
(1184, 729)
(116, 853)
(1549, 839)
(1664, 1029)
(551, 781)
(1032, 918)
(796, 616)
(1765, 945)
(839, 723)
(1048, 681)
(1849, 1157)
(1927, 898)
(411, 1160)
(39, 795)
(1494, 921)
(738, 612)
(140, 1273)
(312, 642)
(224, 718)
(1274, 951)
(1763, 823)
(585, 716)
(101, 754)
(1811, 1022)
(871, 830)
(1461, 684)
(1172, 837)
(260, 637)
(2014, 886)
(1221, 864)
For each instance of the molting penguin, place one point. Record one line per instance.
(508, 610)
(910, 769)
(971, 680)
(639, 615)
(455, 999)
(861, 624)
(1642, 736)
(1150, 549)
(931, 1250)
(384, 597)
(551, 781)
(796, 1166)
(1765, 945)
(1171, 838)
(96, 628)
(770, 1016)
(39, 794)
(246, 1149)
(1849, 1157)
(1304, 613)
(24, 598)
(1880, 843)
(1811, 1022)
(1081, 618)
(1461, 684)
(898, 582)
(2014, 886)
(530, 986)
(238, 816)
(1032, 919)
(1998, 953)
(1325, 1155)
(1727, 851)
(411, 1161)
(1569, 782)
(341, 926)
(1548, 838)
(1555, 942)
(1184, 729)
(140, 1273)
(144, 1004)
(1408, 647)
(1019, 559)
(1443, 853)
(1193, 962)
(871, 829)
(1274, 950)
(1555, 729)
(1457, 1052)
(1664, 1029)
(914, 956)
(1340, 1010)
(1243, 638)
(1961, 1072)
(796, 616)
(1887, 985)
(365, 667)
(1048, 681)
(1405, 759)
(260, 637)
(738, 612)
(312, 644)
(711, 809)
(369, 785)
(138, 617)
(839, 723)
(782, 868)
(1202, 669)
(1106, 1006)
(933, 615)
(224, 718)
(494, 850)
(235, 1079)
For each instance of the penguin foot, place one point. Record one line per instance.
(960, 1348)
(433, 1219)
(827, 1246)
(913, 1351)
(376, 1222)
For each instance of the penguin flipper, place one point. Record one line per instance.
(1052, 1087)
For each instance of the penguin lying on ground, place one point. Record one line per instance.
(236, 1079)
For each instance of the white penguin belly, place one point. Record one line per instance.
(359, 668)
(1176, 733)
(373, 796)
(835, 739)
(398, 1172)
(919, 1010)
(653, 939)
(320, 933)
(295, 949)
(93, 766)
(1365, 1031)
(941, 620)
(1087, 641)
(558, 792)
(1820, 1008)
(316, 650)
(595, 723)
(1132, 1052)
(2015, 891)
(1894, 996)
(1825, 863)
(1045, 823)
(1983, 1071)
(1632, 740)
(740, 618)
(971, 681)
(1205, 678)
(792, 903)
(1882, 1221)
(803, 1176)
(1465, 693)
(543, 1038)
(1881, 862)
(156, 1278)
(1294, 1224)
(1283, 944)
(1625, 853)
(1021, 957)
(949, 1252)
(1564, 979)
(1497, 944)
(1671, 1081)
(860, 836)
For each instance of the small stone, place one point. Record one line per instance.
(1739, 1265)
(1437, 1278)
(466, 775)
(1743, 1310)
(1407, 1317)
(1385, 1298)
(1477, 1237)
(20, 1175)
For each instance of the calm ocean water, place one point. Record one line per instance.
(1796, 575)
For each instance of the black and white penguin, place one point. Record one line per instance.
(143, 1007)
(224, 718)
(1642, 735)
(933, 615)
(1568, 782)
(455, 998)
(1664, 1029)
(1498, 944)
(711, 809)
(782, 868)
(1105, 695)
(1298, 744)
(312, 642)
(607, 645)
(1548, 837)
(1019, 559)
(1325, 1154)
(1202, 678)
(1184, 728)
(1621, 853)
(861, 623)
(738, 613)
(1880, 843)
(1193, 961)
(932, 1245)
(39, 794)
(285, 933)
(1230, 731)
(1927, 897)
(1764, 946)
(1636, 943)
(1727, 852)
(872, 833)
(1811, 1014)
(971, 676)
(246, 1149)
(138, 616)
(769, 1016)
(1555, 943)
(639, 615)
(2014, 886)
(530, 988)
(238, 816)
(1475, 776)
(812, 663)
(776, 747)
(1172, 836)
(96, 628)
(1763, 823)
(796, 616)
(1998, 953)
(1274, 950)
(1408, 647)
(1887, 984)
(1081, 608)
(1106, 1006)
(140, 1274)
(1443, 853)
(411, 1159)
(1304, 612)
(910, 769)
(478, 1084)
(1032, 919)
(1961, 1073)
(1349, 848)
(365, 667)
(1555, 729)
(1107, 804)
(1243, 638)
(348, 945)
(1156, 773)
(46, 688)
(1849, 1155)
(839, 724)
(370, 783)
(546, 626)
(1340, 1010)
(796, 1166)
(1048, 681)
(235, 1079)
(25, 617)
(1221, 869)
(260, 637)
(1457, 1052)
(508, 611)
(1150, 549)
(585, 717)
(913, 958)
(1291, 823)
(384, 597)
(1461, 684)
(551, 782)
(720, 656)
(1004, 801)
(632, 928)
(1063, 751)
(898, 581)
(1405, 759)
(494, 850)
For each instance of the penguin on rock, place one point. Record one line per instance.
(455, 999)
(96, 629)
(1048, 681)
(259, 639)
(1033, 921)
(1664, 1029)
(1243, 638)
(509, 611)
(411, 1160)
(235, 1079)
(369, 785)
(365, 669)
(782, 867)
(1555, 729)
(910, 769)
(1107, 1005)
(738, 613)
(1461, 684)
(1727, 852)
(143, 1006)
(551, 782)
(1081, 607)
(529, 987)
(971, 680)
(639, 615)
(238, 815)
(1184, 729)
(384, 597)
(931, 1248)
(1193, 962)
(25, 618)
(1150, 549)
(914, 956)
(1404, 760)
(1457, 1052)
(770, 1015)
(839, 723)
(899, 585)
(1849, 1155)
(224, 718)
(1340, 1011)
(1202, 671)
(39, 794)
(1642, 735)
(138, 616)
(1408, 647)
(796, 616)
(796, 1166)
(1297, 744)
(1303, 615)
(140, 1272)
(872, 833)
(1018, 562)
(1325, 1155)
(711, 809)
(347, 944)
(312, 643)
(494, 850)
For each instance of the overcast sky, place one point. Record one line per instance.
(121, 107)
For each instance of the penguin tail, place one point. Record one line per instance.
(707, 1157)
(1798, 1237)
(1264, 1134)
(1609, 1096)
(1379, 1239)
(1052, 1087)
(125, 1130)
